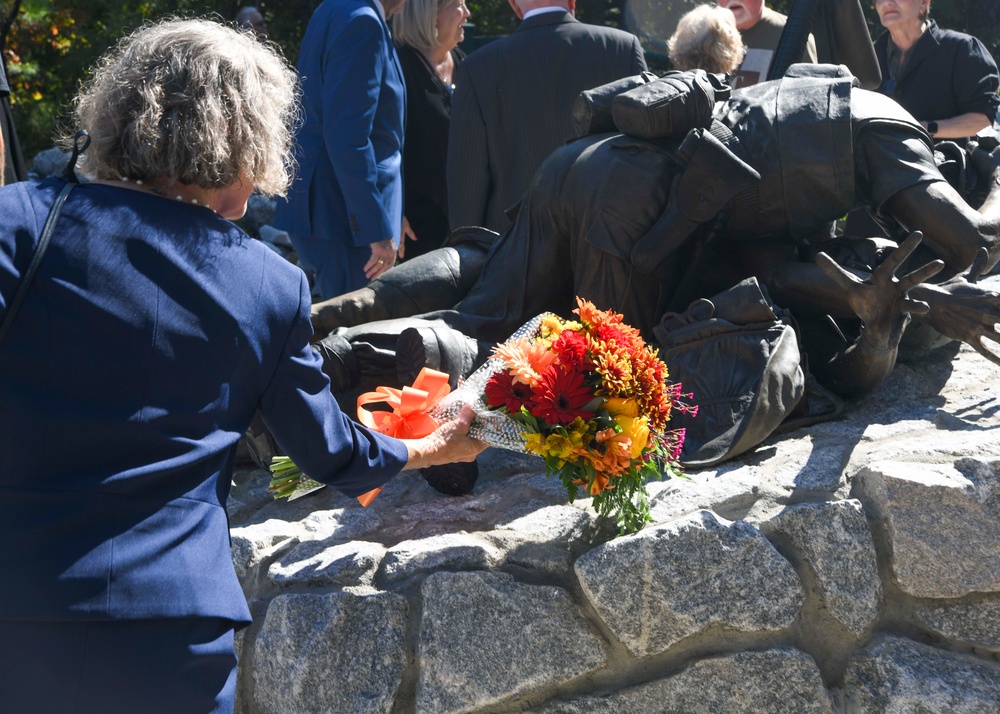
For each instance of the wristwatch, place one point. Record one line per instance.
(932, 128)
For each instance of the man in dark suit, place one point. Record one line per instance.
(345, 211)
(513, 100)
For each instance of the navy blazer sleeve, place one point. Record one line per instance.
(306, 422)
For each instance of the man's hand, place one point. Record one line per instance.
(963, 310)
(882, 301)
(405, 234)
(383, 258)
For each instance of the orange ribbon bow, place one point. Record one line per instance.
(408, 418)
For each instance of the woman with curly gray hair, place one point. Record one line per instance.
(706, 38)
(150, 334)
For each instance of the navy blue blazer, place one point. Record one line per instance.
(151, 334)
(349, 186)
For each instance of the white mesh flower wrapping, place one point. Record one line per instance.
(493, 427)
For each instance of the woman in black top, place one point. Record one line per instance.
(427, 36)
(947, 80)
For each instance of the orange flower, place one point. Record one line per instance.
(525, 360)
(616, 373)
(601, 482)
(616, 454)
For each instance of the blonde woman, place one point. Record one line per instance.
(427, 33)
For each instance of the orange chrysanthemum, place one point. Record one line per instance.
(616, 373)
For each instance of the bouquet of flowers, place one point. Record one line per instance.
(589, 397)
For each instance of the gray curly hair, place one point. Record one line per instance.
(191, 101)
(706, 38)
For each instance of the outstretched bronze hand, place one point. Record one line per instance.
(963, 310)
(882, 301)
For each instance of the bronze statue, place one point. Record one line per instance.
(646, 225)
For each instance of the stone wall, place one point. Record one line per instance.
(850, 567)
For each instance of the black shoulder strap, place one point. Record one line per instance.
(80, 143)
(36, 259)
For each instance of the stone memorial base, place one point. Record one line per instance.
(850, 567)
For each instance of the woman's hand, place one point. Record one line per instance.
(383, 258)
(449, 443)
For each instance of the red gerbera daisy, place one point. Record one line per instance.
(560, 397)
(502, 391)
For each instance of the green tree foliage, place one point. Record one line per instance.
(48, 45)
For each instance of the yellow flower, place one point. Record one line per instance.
(637, 431)
(550, 327)
(564, 447)
(619, 405)
(559, 447)
(615, 371)
(534, 443)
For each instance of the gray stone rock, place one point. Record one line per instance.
(553, 524)
(253, 543)
(663, 584)
(731, 489)
(776, 681)
(320, 563)
(834, 543)
(975, 623)
(330, 653)
(796, 469)
(485, 638)
(943, 526)
(452, 551)
(339, 524)
(545, 539)
(487, 643)
(899, 675)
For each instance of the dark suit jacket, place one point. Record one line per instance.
(349, 188)
(428, 115)
(150, 335)
(512, 104)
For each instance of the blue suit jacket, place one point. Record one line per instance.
(349, 187)
(150, 335)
